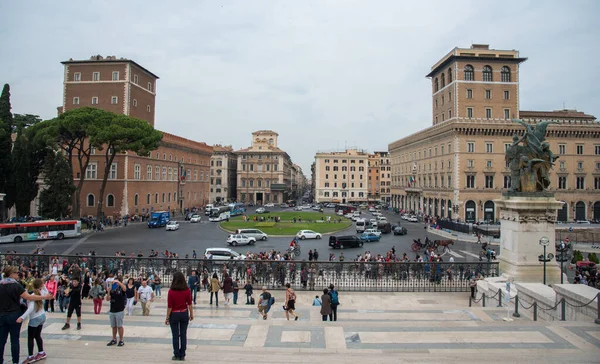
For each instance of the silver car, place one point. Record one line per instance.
(254, 233)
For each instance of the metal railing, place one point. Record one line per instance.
(349, 276)
(536, 305)
(450, 225)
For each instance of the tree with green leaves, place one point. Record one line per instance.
(56, 199)
(73, 132)
(122, 134)
(6, 127)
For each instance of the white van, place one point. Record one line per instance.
(207, 209)
(361, 225)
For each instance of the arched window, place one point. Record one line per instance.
(449, 75)
(469, 73)
(169, 200)
(443, 80)
(174, 196)
(148, 197)
(436, 85)
(110, 201)
(271, 141)
(163, 197)
(170, 174)
(487, 74)
(91, 200)
(164, 174)
(136, 199)
(505, 74)
(156, 198)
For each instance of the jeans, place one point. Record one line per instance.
(333, 313)
(63, 302)
(235, 297)
(9, 325)
(216, 297)
(179, 322)
(194, 290)
(324, 317)
(129, 306)
(97, 305)
(157, 291)
(49, 304)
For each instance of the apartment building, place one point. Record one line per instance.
(223, 174)
(263, 171)
(380, 177)
(456, 167)
(173, 177)
(341, 177)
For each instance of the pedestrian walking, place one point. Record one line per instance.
(236, 290)
(74, 294)
(179, 313)
(131, 293)
(227, 289)
(290, 302)
(215, 286)
(193, 283)
(52, 288)
(335, 302)
(248, 291)
(264, 302)
(145, 296)
(117, 298)
(11, 292)
(97, 293)
(326, 305)
(37, 316)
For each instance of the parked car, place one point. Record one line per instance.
(400, 230)
(240, 239)
(369, 237)
(372, 209)
(261, 210)
(374, 231)
(283, 205)
(308, 234)
(270, 205)
(221, 254)
(253, 233)
(413, 219)
(195, 218)
(298, 208)
(348, 241)
(172, 225)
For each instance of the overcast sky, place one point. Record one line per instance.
(323, 74)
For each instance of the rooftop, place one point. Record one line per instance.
(556, 114)
(108, 59)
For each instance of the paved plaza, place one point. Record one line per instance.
(372, 328)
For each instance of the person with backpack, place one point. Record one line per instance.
(326, 305)
(335, 302)
(264, 303)
(290, 303)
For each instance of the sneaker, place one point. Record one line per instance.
(112, 342)
(296, 319)
(40, 356)
(78, 326)
(121, 343)
(67, 326)
(29, 359)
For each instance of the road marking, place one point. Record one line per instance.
(77, 244)
(448, 251)
(470, 254)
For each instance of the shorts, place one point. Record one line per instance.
(291, 305)
(77, 310)
(116, 318)
(263, 309)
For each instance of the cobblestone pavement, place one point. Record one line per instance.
(372, 328)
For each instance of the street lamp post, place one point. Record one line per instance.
(544, 241)
(562, 257)
(2, 204)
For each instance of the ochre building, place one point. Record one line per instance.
(456, 167)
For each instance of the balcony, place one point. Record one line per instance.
(278, 187)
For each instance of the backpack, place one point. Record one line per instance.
(334, 297)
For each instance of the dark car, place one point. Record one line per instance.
(347, 241)
(188, 216)
(384, 227)
(400, 230)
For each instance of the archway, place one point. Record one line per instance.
(488, 211)
(563, 214)
(470, 211)
(580, 210)
(597, 211)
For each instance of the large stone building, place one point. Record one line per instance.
(173, 177)
(263, 171)
(341, 177)
(456, 168)
(223, 174)
(379, 177)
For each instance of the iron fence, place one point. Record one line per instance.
(450, 225)
(348, 276)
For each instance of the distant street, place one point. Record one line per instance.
(138, 237)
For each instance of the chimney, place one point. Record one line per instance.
(480, 46)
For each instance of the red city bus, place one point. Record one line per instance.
(39, 230)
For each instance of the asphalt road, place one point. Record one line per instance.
(138, 237)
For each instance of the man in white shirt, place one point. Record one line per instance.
(145, 295)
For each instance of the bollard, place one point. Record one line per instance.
(470, 301)
(499, 297)
(534, 311)
(563, 309)
(597, 320)
(516, 313)
(483, 300)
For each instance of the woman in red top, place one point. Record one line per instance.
(179, 314)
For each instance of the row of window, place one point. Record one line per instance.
(260, 156)
(114, 100)
(352, 161)
(488, 113)
(266, 198)
(433, 152)
(158, 198)
(337, 194)
(335, 176)
(344, 169)
(115, 77)
(487, 75)
(259, 182)
(427, 182)
(259, 167)
(160, 174)
(335, 185)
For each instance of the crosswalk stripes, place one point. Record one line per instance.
(452, 253)
(470, 254)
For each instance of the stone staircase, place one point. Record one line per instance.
(371, 328)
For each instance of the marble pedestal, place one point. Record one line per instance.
(525, 218)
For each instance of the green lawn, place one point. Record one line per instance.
(287, 226)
